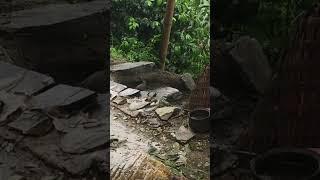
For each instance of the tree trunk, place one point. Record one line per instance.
(166, 32)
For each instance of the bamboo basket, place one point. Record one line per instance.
(289, 113)
(200, 97)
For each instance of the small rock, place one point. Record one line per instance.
(138, 105)
(168, 93)
(154, 123)
(16, 177)
(151, 94)
(206, 164)
(184, 135)
(215, 93)
(120, 100)
(165, 113)
(128, 92)
(182, 160)
(144, 94)
(188, 81)
(125, 118)
(117, 87)
(176, 146)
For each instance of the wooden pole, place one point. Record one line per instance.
(167, 23)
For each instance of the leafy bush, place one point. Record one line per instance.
(137, 31)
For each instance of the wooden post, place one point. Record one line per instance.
(167, 23)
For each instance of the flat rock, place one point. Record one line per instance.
(113, 94)
(75, 165)
(144, 94)
(168, 93)
(17, 177)
(128, 112)
(11, 104)
(120, 100)
(128, 92)
(53, 14)
(67, 125)
(22, 81)
(165, 113)
(136, 105)
(183, 134)
(32, 123)
(155, 123)
(81, 140)
(249, 54)
(117, 87)
(62, 96)
(129, 73)
(132, 66)
(188, 81)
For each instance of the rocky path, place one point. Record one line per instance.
(155, 122)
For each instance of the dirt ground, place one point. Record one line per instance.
(160, 143)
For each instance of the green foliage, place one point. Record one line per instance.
(270, 21)
(137, 33)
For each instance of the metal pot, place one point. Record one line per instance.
(199, 120)
(286, 164)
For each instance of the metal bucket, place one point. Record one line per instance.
(286, 164)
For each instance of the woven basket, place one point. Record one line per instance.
(200, 97)
(289, 114)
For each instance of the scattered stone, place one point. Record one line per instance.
(184, 135)
(138, 105)
(168, 93)
(128, 112)
(53, 14)
(165, 113)
(32, 123)
(12, 103)
(117, 87)
(120, 100)
(155, 123)
(128, 92)
(16, 177)
(248, 53)
(75, 165)
(113, 94)
(181, 161)
(81, 140)
(144, 94)
(152, 94)
(188, 81)
(21, 81)
(62, 96)
(151, 109)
